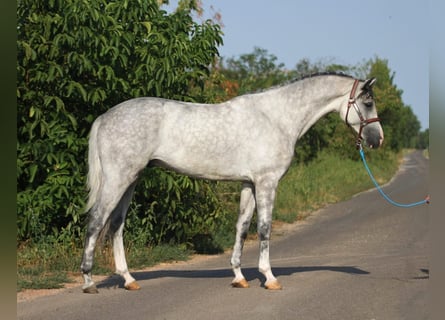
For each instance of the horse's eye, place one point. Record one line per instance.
(368, 100)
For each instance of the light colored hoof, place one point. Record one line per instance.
(273, 285)
(132, 286)
(240, 284)
(90, 289)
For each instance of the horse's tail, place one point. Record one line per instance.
(94, 179)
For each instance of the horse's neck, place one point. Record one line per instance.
(299, 106)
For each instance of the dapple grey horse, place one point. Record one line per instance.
(250, 138)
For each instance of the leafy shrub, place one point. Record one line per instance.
(169, 207)
(76, 59)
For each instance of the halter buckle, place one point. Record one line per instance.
(358, 143)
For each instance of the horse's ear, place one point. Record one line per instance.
(368, 84)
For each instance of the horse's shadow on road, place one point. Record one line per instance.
(249, 273)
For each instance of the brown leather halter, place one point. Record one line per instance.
(363, 122)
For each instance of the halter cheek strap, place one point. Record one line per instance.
(363, 122)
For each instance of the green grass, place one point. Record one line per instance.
(328, 179)
(41, 268)
(43, 265)
(305, 188)
(37, 278)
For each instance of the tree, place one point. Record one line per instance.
(254, 71)
(76, 59)
(423, 140)
(398, 121)
(411, 128)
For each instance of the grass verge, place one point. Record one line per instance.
(38, 268)
(328, 179)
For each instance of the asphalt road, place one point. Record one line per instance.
(359, 259)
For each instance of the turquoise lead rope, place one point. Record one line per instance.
(397, 204)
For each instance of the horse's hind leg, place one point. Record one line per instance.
(247, 207)
(97, 219)
(117, 227)
(99, 215)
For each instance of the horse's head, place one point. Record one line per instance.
(361, 114)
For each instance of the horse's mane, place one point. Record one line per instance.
(323, 73)
(306, 76)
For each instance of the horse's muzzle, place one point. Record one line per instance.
(373, 136)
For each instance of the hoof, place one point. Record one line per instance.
(90, 289)
(132, 286)
(240, 284)
(273, 285)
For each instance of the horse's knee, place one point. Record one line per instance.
(264, 229)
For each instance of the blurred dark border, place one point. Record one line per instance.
(8, 144)
(437, 158)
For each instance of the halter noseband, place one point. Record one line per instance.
(363, 122)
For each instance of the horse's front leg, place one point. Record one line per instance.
(247, 207)
(265, 197)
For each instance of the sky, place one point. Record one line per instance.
(346, 32)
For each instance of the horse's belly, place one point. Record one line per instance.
(203, 166)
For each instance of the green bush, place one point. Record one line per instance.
(169, 207)
(77, 59)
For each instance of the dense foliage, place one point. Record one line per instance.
(76, 59)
